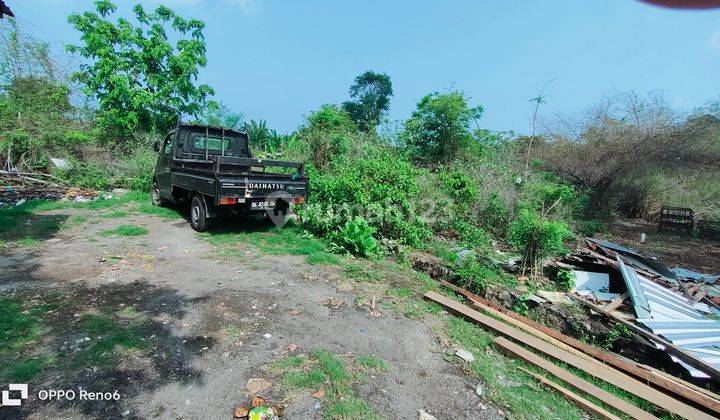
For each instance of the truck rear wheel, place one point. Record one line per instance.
(198, 214)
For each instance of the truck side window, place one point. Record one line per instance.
(168, 145)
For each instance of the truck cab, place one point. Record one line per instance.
(214, 170)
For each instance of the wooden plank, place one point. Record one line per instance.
(669, 347)
(615, 303)
(513, 350)
(671, 384)
(582, 403)
(477, 301)
(605, 373)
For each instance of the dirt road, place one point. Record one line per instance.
(211, 323)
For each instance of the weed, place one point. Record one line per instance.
(505, 383)
(292, 361)
(232, 332)
(565, 280)
(166, 213)
(371, 362)
(115, 214)
(313, 379)
(125, 230)
(105, 350)
(325, 370)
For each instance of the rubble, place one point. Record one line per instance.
(465, 355)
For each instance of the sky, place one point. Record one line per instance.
(280, 59)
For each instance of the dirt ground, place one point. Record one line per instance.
(215, 323)
(674, 249)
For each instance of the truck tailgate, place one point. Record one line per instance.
(261, 186)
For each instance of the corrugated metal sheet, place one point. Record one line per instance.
(637, 295)
(674, 317)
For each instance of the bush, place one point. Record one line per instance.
(460, 186)
(104, 171)
(356, 236)
(381, 176)
(378, 185)
(536, 237)
(495, 216)
(475, 275)
(326, 135)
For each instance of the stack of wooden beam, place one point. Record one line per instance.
(540, 346)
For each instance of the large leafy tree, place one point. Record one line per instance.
(140, 79)
(371, 94)
(218, 114)
(439, 129)
(326, 134)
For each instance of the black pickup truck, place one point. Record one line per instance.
(213, 169)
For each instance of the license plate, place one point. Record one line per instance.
(261, 205)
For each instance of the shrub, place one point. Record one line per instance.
(476, 275)
(326, 135)
(495, 216)
(378, 177)
(356, 236)
(377, 185)
(537, 237)
(460, 186)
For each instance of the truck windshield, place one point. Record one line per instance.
(214, 144)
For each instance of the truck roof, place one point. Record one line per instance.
(212, 127)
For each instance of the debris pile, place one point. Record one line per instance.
(673, 310)
(676, 304)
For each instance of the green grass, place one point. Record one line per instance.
(125, 230)
(26, 369)
(323, 370)
(24, 226)
(292, 361)
(505, 384)
(363, 273)
(19, 329)
(95, 324)
(272, 240)
(29, 322)
(167, 213)
(96, 204)
(371, 362)
(105, 351)
(313, 379)
(115, 214)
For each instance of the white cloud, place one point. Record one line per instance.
(713, 41)
(247, 6)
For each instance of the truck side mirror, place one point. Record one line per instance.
(156, 145)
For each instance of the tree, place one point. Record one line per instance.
(439, 129)
(326, 134)
(141, 81)
(218, 114)
(258, 134)
(371, 93)
(612, 148)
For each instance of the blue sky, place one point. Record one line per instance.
(280, 59)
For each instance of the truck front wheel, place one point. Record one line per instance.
(156, 199)
(198, 214)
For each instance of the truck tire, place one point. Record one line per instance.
(156, 199)
(198, 214)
